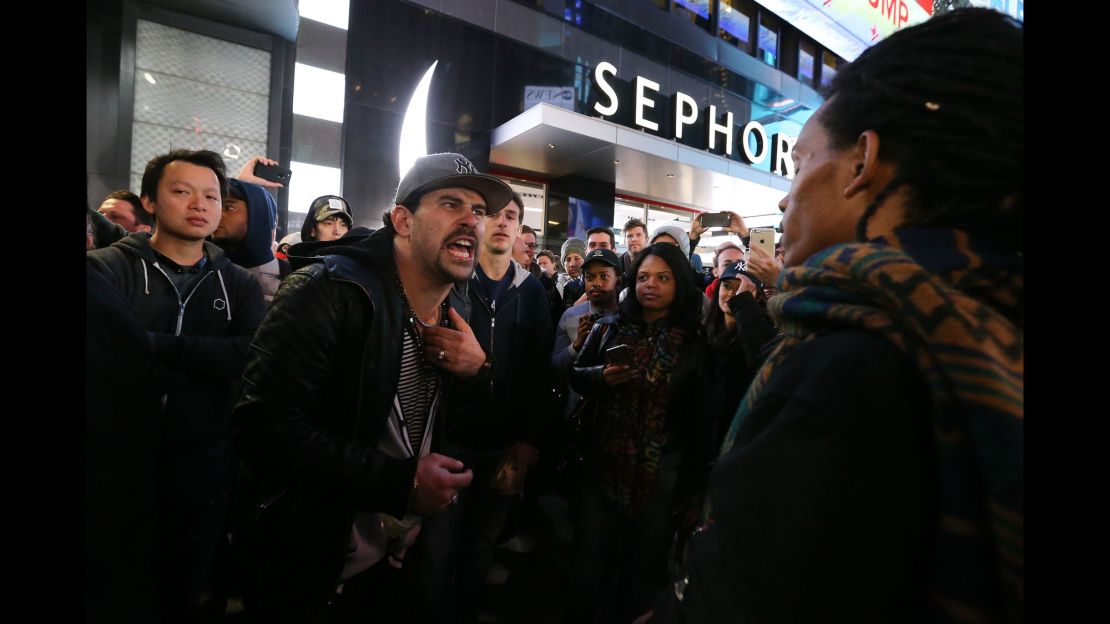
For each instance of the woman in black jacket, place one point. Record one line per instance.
(738, 330)
(649, 438)
(873, 471)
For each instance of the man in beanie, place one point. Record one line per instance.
(570, 283)
(341, 394)
(675, 235)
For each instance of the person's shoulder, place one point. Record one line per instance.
(848, 366)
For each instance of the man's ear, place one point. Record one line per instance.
(142, 227)
(401, 217)
(867, 170)
(148, 203)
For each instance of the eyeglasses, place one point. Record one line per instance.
(531, 245)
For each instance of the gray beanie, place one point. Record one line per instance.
(676, 233)
(573, 245)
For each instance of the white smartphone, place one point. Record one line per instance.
(763, 238)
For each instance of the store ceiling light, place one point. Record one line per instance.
(149, 78)
(670, 175)
(553, 222)
(616, 162)
(551, 145)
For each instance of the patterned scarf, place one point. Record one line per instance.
(955, 307)
(633, 417)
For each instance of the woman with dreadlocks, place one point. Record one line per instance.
(873, 471)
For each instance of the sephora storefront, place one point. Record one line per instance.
(587, 127)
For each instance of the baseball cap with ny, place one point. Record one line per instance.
(447, 169)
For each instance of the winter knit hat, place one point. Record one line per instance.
(676, 233)
(573, 245)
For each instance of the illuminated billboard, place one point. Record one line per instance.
(848, 27)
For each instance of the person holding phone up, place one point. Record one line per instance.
(649, 440)
(706, 220)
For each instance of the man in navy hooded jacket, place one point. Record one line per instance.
(246, 234)
(199, 311)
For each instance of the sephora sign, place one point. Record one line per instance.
(683, 122)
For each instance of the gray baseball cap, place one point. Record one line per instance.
(447, 169)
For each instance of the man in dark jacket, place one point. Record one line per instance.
(199, 311)
(486, 426)
(341, 397)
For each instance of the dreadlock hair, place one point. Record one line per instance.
(946, 99)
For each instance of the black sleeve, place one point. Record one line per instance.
(829, 486)
(754, 328)
(585, 376)
(104, 230)
(538, 377)
(279, 434)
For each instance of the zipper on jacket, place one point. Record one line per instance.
(180, 311)
(492, 325)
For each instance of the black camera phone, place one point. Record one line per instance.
(273, 173)
(620, 355)
(716, 219)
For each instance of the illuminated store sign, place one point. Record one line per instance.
(848, 27)
(684, 119)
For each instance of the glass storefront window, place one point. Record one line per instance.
(735, 23)
(828, 68)
(768, 40)
(700, 12)
(807, 60)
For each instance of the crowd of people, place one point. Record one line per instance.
(338, 426)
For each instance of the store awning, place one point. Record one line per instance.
(556, 142)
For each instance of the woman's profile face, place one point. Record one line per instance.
(816, 214)
(655, 286)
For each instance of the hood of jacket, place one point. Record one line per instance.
(300, 252)
(138, 244)
(256, 248)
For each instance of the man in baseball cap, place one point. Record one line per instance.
(439, 171)
(342, 390)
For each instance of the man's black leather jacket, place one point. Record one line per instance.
(318, 387)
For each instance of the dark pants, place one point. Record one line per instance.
(195, 495)
(629, 552)
(369, 596)
(455, 548)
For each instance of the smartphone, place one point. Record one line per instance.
(273, 173)
(716, 219)
(620, 355)
(764, 238)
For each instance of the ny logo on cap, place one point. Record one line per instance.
(463, 165)
(740, 266)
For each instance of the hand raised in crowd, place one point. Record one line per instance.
(736, 225)
(246, 173)
(584, 325)
(454, 350)
(696, 228)
(617, 374)
(764, 267)
(438, 480)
